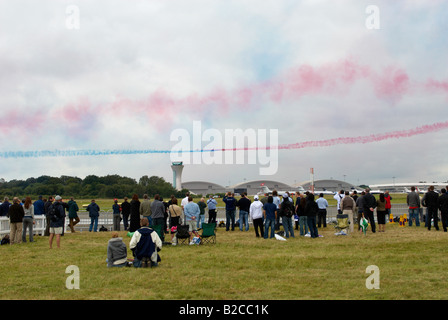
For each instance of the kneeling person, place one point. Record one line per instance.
(145, 244)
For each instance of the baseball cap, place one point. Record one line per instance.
(57, 198)
(255, 197)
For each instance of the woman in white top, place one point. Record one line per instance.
(28, 219)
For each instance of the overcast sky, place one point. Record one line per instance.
(123, 75)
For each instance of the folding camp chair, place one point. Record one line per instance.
(158, 228)
(182, 235)
(208, 235)
(341, 224)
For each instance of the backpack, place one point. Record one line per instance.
(53, 213)
(5, 240)
(286, 209)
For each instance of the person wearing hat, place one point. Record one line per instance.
(56, 214)
(256, 214)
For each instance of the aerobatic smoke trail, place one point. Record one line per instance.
(300, 145)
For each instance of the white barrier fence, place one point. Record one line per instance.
(38, 227)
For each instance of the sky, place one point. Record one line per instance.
(100, 87)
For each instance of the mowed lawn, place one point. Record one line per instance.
(411, 262)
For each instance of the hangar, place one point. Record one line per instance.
(203, 187)
(329, 185)
(253, 187)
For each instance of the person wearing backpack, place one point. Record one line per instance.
(56, 214)
(286, 212)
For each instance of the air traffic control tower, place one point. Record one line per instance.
(177, 175)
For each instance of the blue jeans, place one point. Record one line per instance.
(311, 220)
(303, 225)
(93, 224)
(138, 263)
(149, 220)
(287, 226)
(244, 216)
(414, 213)
(201, 220)
(230, 219)
(269, 223)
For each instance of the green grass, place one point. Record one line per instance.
(412, 264)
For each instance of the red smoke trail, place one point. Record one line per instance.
(352, 140)
(370, 138)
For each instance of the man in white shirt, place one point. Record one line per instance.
(256, 214)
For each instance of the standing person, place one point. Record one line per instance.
(348, 206)
(135, 214)
(202, 205)
(47, 205)
(73, 214)
(145, 209)
(28, 219)
(230, 202)
(175, 213)
(39, 207)
(270, 216)
(117, 255)
(413, 202)
(158, 214)
(388, 199)
(57, 215)
(277, 202)
(244, 205)
(116, 215)
(300, 210)
(286, 211)
(311, 210)
(322, 204)
(369, 203)
(211, 204)
(15, 214)
(442, 203)
(4, 207)
(191, 212)
(354, 195)
(184, 201)
(94, 212)
(360, 206)
(430, 202)
(338, 197)
(381, 212)
(256, 214)
(125, 211)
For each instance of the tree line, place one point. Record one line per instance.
(92, 186)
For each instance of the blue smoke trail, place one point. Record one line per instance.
(88, 152)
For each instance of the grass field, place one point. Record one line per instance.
(412, 263)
